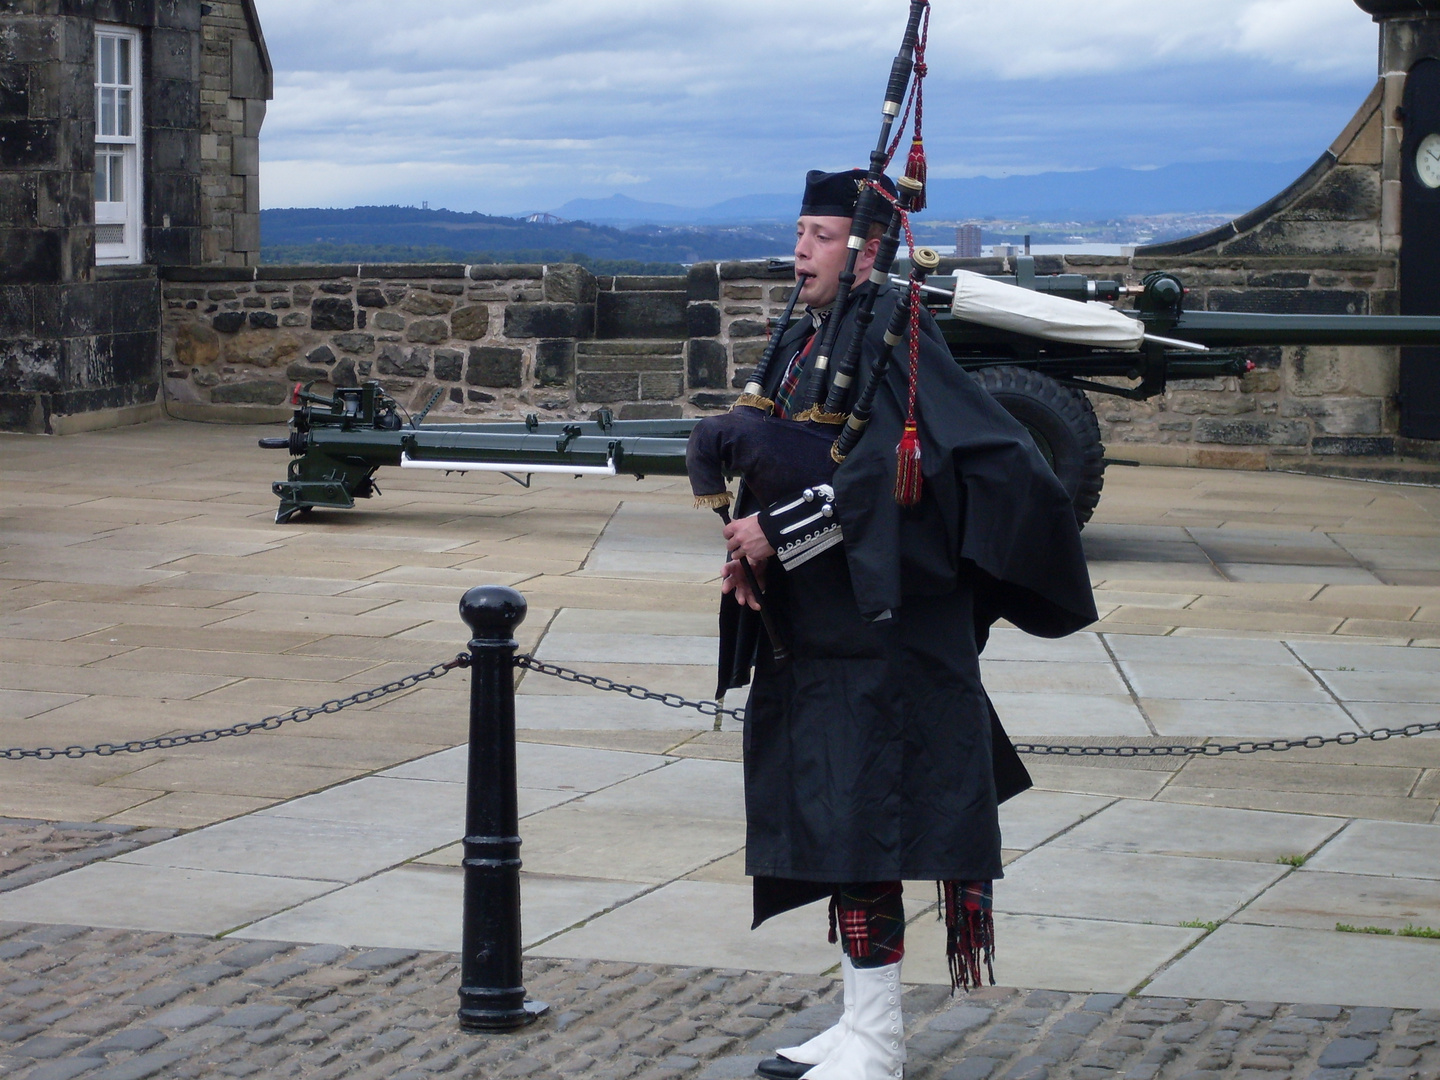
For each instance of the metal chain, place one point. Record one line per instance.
(600, 682)
(678, 701)
(270, 723)
(713, 708)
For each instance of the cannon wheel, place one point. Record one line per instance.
(1062, 423)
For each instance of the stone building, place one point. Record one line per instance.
(128, 144)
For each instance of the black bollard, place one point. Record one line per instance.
(492, 994)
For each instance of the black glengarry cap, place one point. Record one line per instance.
(833, 194)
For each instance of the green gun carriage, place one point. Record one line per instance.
(339, 443)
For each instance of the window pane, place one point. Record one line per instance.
(102, 177)
(117, 178)
(105, 114)
(107, 59)
(122, 46)
(122, 107)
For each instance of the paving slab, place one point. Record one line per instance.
(705, 924)
(1191, 681)
(1334, 656)
(157, 898)
(581, 840)
(1230, 720)
(1402, 686)
(432, 810)
(537, 765)
(1277, 573)
(1077, 955)
(1068, 715)
(1382, 847)
(1220, 652)
(1035, 816)
(1265, 963)
(566, 647)
(1124, 887)
(1319, 900)
(1201, 831)
(415, 907)
(268, 846)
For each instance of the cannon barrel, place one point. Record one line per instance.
(1232, 329)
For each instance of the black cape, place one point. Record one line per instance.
(875, 755)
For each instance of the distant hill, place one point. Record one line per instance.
(621, 234)
(405, 234)
(1089, 195)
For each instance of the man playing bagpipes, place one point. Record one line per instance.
(878, 553)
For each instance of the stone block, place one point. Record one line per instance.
(607, 386)
(645, 411)
(605, 361)
(393, 360)
(1308, 238)
(1347, 1053)
(426, 303)
(1253, 432)
(263, 320)
(228, 322)
(702, 320)
(254, 117)
(541, 320)
(449, 365)
(253, 392)
(399, 271)
(1352, 446)
(1259, 382)
(505, 271)
(1347, 193)
(1320, 370)
(555, 362)
(370, 296)
(388, 320)
(749, 328)
(569, 283)
(707, 365)
(491, 365)
(355, 342)
(660, 385)
(641, 315)
(702, 282)
(471, 322)
(428, 331)
(747, 353)
(1338, 416)
(307, 373)
(1290, 301)
(247, 73)
(712, 400)
(332, 313)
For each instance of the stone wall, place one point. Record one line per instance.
(235, 83)
(503, 341)
(497, 341)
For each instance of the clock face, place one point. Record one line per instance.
(1427, 160)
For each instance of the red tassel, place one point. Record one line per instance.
(907, 467)
(915, 170)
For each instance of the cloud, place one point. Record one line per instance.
(504, 107)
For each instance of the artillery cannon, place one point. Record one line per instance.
(338, 444)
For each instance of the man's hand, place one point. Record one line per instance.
(743, 536)
(734, 579)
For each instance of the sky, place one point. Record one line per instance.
(508, 107)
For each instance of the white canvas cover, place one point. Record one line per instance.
(982, 300)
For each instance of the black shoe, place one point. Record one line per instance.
(779, 1068)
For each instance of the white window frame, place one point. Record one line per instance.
(119, 124)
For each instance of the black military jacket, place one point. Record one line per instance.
(874, 754)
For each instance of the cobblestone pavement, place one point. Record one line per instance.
(123, 1005)
(31, 851)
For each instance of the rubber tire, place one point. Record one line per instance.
(1062, 423)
